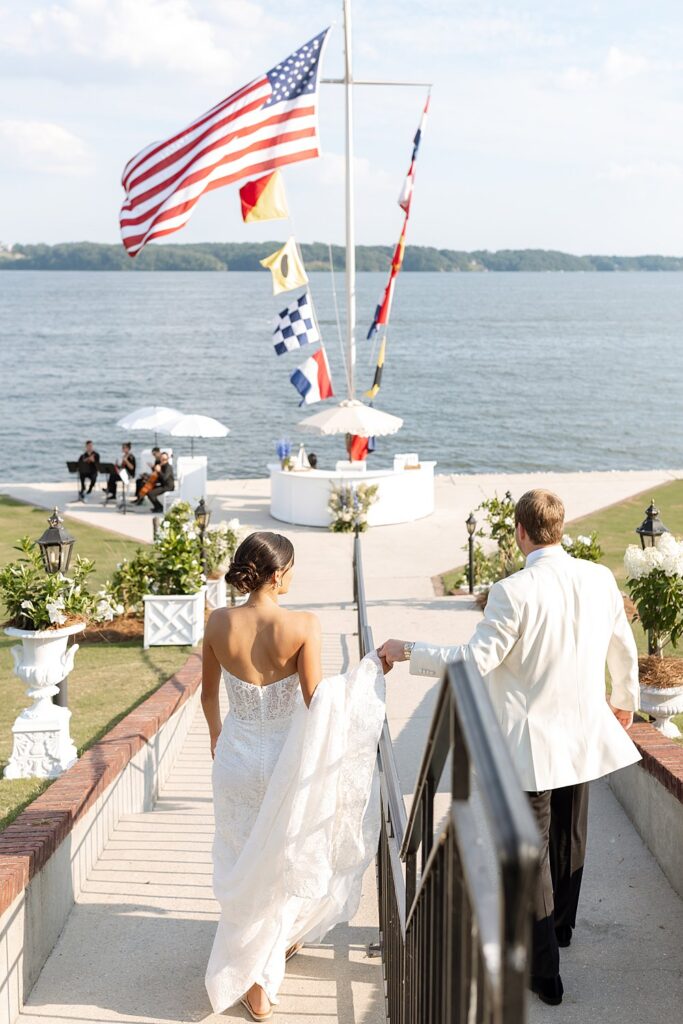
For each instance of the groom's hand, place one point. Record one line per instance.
(386, 667)
(624, 718)
(392, 651)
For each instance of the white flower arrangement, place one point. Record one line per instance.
(655, 583)
(667, 555)
(349, 505)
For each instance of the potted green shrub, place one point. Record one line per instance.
(220, 544)
(174, 607)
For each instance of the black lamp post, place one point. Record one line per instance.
(471, 524)
(202, 517)
(651, 527)
(56, 545)
(649, 530)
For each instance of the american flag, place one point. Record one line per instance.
(270, 122)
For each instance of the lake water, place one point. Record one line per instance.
(490, 372)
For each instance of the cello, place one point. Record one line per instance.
(151, 482)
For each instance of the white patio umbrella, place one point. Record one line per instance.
(352, 417)
(150, 417)
(192, 426)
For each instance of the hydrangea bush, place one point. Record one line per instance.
(35, 600)
(655, 583)
(349, 505)
(584, 546)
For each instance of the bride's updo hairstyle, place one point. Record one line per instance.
(258, 557)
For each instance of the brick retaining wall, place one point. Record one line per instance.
(651, 793)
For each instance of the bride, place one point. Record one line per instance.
(294, 781)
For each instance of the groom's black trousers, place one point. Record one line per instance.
(562, 819)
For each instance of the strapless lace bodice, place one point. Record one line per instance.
(251, 703)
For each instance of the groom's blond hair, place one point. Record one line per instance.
(541, 513)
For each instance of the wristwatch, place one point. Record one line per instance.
(408, 650)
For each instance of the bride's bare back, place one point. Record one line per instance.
(261, 643)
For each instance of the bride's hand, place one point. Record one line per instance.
(214, 741)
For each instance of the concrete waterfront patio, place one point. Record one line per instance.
(136, 943)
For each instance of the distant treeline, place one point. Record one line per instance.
(246, 255)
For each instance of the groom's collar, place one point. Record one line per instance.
(552, 551)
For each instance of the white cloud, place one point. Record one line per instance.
(651, 170)
(618, 66)
(43, 147)
(332, 171)
(183, 36)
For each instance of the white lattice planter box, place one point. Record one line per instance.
(174, 620)
(216, 593)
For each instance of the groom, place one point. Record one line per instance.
(541, 647)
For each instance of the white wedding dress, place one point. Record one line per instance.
(296, 804)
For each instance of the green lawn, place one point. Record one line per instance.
(108, 679)
(106, 549)
(616, 525)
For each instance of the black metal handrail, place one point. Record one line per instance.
(454, 948)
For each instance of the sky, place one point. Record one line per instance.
(552, 125)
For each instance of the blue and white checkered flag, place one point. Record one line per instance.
(295, 326)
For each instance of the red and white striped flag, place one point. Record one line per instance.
(271, 122)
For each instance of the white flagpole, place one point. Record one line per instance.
(350, 239)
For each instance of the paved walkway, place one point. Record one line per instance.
(135, 946)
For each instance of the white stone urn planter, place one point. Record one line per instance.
(662, 704)
(42, 745)
(174, 620)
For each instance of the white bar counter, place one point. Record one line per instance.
(300, 497)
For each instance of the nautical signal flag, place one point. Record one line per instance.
(383, 310)
(295, 326)
(359, 448)
(377, 382)
(312, 380)
(264, 199)
(270, 122)
(286, 267)
(407, 191)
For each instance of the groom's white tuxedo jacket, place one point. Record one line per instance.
(541, 647)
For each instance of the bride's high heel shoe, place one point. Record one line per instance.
(254, 1015)
(293, 950)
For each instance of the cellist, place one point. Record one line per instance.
(144, 477)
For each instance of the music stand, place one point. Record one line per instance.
(124, 477)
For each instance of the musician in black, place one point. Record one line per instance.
(88, 465)
(153, 466)
(128, 463)
(166, 482)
